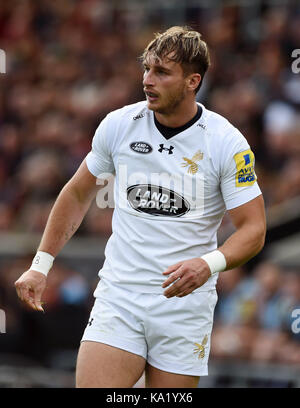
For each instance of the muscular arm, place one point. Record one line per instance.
(242, 245)
(249, 237)
(66, 215)
(69, 210)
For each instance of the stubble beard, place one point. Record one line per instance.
(171, 104)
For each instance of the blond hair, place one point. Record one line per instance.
(181, 45)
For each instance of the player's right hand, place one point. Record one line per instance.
(30, 287)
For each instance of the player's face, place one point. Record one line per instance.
(164, 85)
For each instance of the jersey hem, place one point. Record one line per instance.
(236, 203)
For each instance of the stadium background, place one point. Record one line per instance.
(68, 64)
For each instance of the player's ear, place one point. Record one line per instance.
(193, 81)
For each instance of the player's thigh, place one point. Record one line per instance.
(103, 366)
(156, 378)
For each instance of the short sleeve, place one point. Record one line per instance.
(99, 159)
(238, 179)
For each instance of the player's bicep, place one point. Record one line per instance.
(83, 185)
(249, 237)
(251, 213)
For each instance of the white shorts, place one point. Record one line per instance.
(172, 334)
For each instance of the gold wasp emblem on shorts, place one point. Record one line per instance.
(199, 349)
(191, 163)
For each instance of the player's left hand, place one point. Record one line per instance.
(187, 275)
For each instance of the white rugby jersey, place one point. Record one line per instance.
(170, 194)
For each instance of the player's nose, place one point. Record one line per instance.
(148, 79)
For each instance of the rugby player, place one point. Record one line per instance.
(178, 168)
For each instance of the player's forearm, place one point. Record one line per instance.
(243, 244)
(64, 220)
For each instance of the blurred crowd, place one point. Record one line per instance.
(69, 63)
(257, 317)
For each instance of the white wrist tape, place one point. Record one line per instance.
(216, 261)
(42, 262)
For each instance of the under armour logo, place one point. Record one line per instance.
(90, 321)
(168, 149)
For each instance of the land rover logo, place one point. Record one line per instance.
(156, 200)
(141, 147)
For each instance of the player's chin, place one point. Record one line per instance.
(153, 104)
(156, 107)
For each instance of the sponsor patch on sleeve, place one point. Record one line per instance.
(245, 174)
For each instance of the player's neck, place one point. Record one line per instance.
(179, 117)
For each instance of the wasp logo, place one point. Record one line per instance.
(200, 348)
(191, 163)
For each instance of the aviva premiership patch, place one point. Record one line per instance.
(245, 174)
